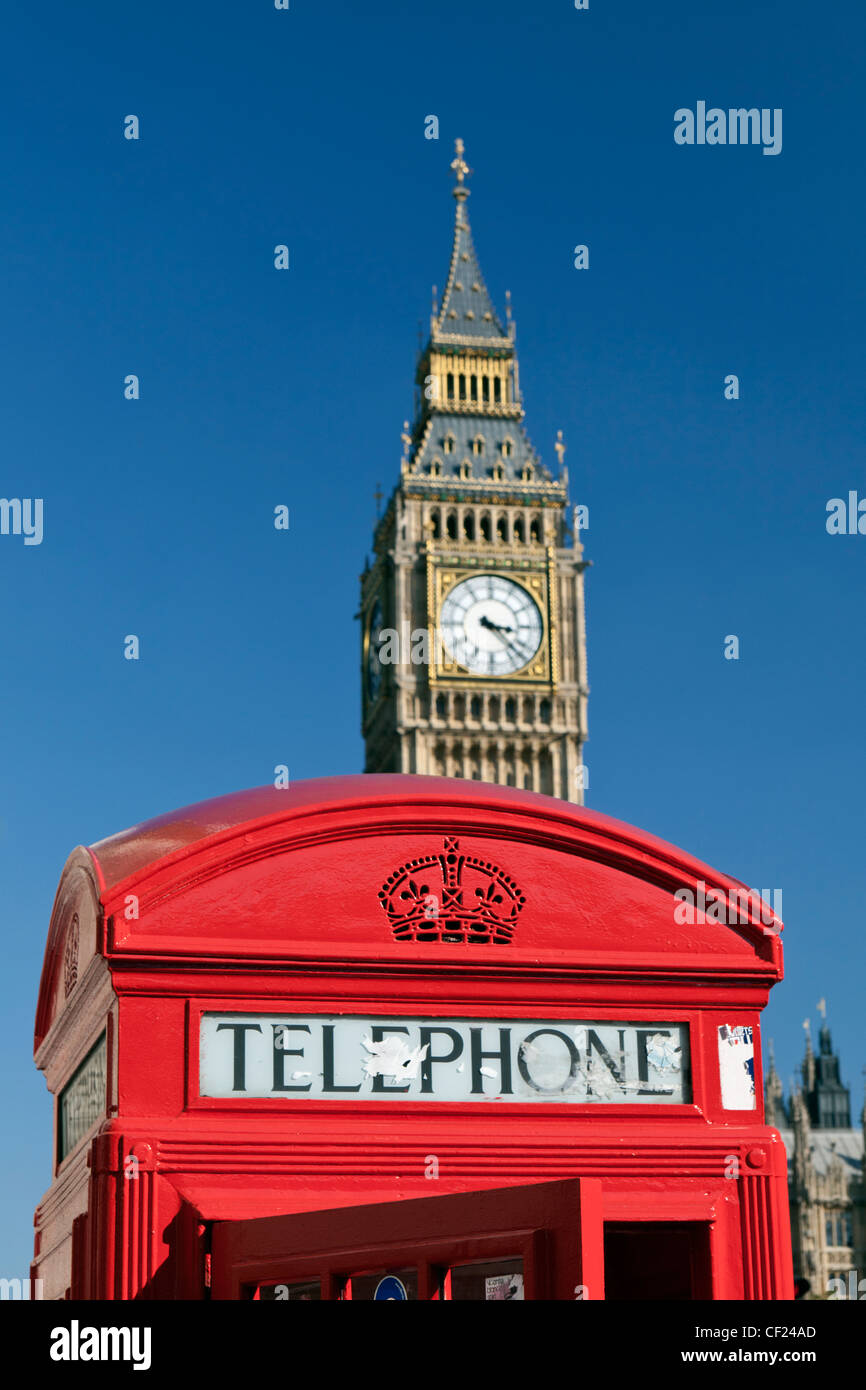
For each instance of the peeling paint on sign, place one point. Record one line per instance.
(392, 1057)
(663, 1052)
(737, 1066)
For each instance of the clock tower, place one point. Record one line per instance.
(473, 647)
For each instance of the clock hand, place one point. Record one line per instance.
(518, 648)
(484, 621)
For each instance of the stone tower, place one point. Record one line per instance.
(473, 647)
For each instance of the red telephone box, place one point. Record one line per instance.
(385, 1037)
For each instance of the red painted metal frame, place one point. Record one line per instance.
(268, 901)
(555, 1228)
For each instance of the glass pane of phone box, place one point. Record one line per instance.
(495, 1281)
(308, 1292)
(384, 1285)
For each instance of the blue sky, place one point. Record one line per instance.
(707, 516)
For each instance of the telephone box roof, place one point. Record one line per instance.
(327, 873)
(128, 852)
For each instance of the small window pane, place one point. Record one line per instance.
(361, 1288)
(308, 1292)
(495, 1281)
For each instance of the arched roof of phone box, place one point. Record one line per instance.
(402, 870)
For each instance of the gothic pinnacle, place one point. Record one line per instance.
(461, 169)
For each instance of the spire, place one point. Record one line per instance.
(802, 1141)
(827, 1099)
(774, 1099)
(808, 1066)
(467, 312)
(469, 410)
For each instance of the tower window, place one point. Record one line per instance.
(519, 529)
(485, 528)
(436, 525)
(451, 526)
(511, 711)
(494, 708)
(838, 1229)
(478, 444)
(450, 385)
(475, 707)
(485, 389)
(535, 529)
(461, 381)
(526, 473)
(473, 384)
(448, 444)
(507, 448)
(441, 706)
(465, 470)
(502, 529)
(497, 391)
(469, 526)
(436, 468)
(544, 711)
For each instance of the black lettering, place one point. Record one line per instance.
(503, 1055)
(328, 1083)
(573, 1054)
(281, 1053)
(594, 1041)
(425, 1037)
(239, 1029)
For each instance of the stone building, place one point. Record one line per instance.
(826, 1176)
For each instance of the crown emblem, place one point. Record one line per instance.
(451, 896)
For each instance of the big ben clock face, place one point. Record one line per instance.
(490, 625)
